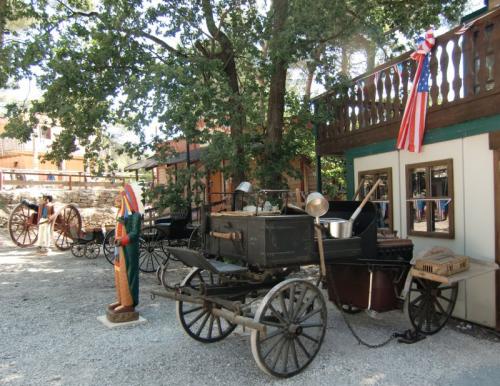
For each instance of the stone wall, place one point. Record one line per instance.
(83, 198)
(96, 207)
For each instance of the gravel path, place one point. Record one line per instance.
(50, 336)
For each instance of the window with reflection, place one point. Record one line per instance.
(430, 199)
(382, 197)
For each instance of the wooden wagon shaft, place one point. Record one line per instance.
(240, 320)
(198, 299)
(177, 296)
(226, 314)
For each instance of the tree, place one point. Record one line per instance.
(132, 62)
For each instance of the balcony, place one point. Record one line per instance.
(464, 85)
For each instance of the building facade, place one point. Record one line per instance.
(448, 194)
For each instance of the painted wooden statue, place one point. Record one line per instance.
(126, 265)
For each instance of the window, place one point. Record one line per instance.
(46, 132)
(382, 197)
(429, 200)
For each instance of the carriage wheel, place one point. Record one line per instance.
(429, 304)
(78, 250)
(196, 319)
(92, 250)
(23, 229)
(151, 249)
(294, 312)
(68, 223)
(108, 246)
(195, 239)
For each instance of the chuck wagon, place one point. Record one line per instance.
(242, 274)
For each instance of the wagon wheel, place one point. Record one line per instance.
(151, 249)
(294, 312)
(196, 319)
(195, 241)
(68, 222)
(92, 250)
(429, 304)
(108, 246)
(22, 226)
(78, 250)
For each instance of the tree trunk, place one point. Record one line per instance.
(276, 103)
(238, 114)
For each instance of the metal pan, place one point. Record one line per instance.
(342, 229)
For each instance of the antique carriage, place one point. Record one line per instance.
(23, 225)
(242, 277)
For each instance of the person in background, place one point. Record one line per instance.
(45, 218)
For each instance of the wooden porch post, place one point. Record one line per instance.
(495, 146)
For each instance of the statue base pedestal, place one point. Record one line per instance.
(104, 320)
(122, 317)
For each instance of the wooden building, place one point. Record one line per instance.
(449, 194)
(28, 156)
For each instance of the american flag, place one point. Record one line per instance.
(411, 131)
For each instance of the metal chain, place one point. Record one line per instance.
(349, 326)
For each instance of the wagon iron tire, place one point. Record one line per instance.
(108, 246)
(196, 319)
(195, 241)
(294, 312)
(429, 304)
(68, 222)
(23, 229)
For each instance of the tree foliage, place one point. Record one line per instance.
(176, 62)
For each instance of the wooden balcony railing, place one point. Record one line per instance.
(464, 85)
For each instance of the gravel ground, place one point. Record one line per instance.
(50, 336)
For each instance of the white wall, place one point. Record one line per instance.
(473, 210)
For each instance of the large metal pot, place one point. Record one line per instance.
(340, 228)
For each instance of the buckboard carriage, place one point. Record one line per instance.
(241, 276)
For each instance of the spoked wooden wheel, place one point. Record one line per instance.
(429, 304)
(68, 223)
(196, 319)
(78, 250)
(92, 250)
(151, 249)
(23, 227)
(195, 241)
(108, 246)
(294, 312)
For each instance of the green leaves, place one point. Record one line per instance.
(191, 68)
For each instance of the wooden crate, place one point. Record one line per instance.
(444, 265)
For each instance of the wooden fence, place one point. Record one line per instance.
(64, 180)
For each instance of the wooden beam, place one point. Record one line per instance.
(496, 171)
(494, 137)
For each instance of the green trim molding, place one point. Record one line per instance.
(448, 133)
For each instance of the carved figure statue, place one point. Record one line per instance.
(126, 264)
